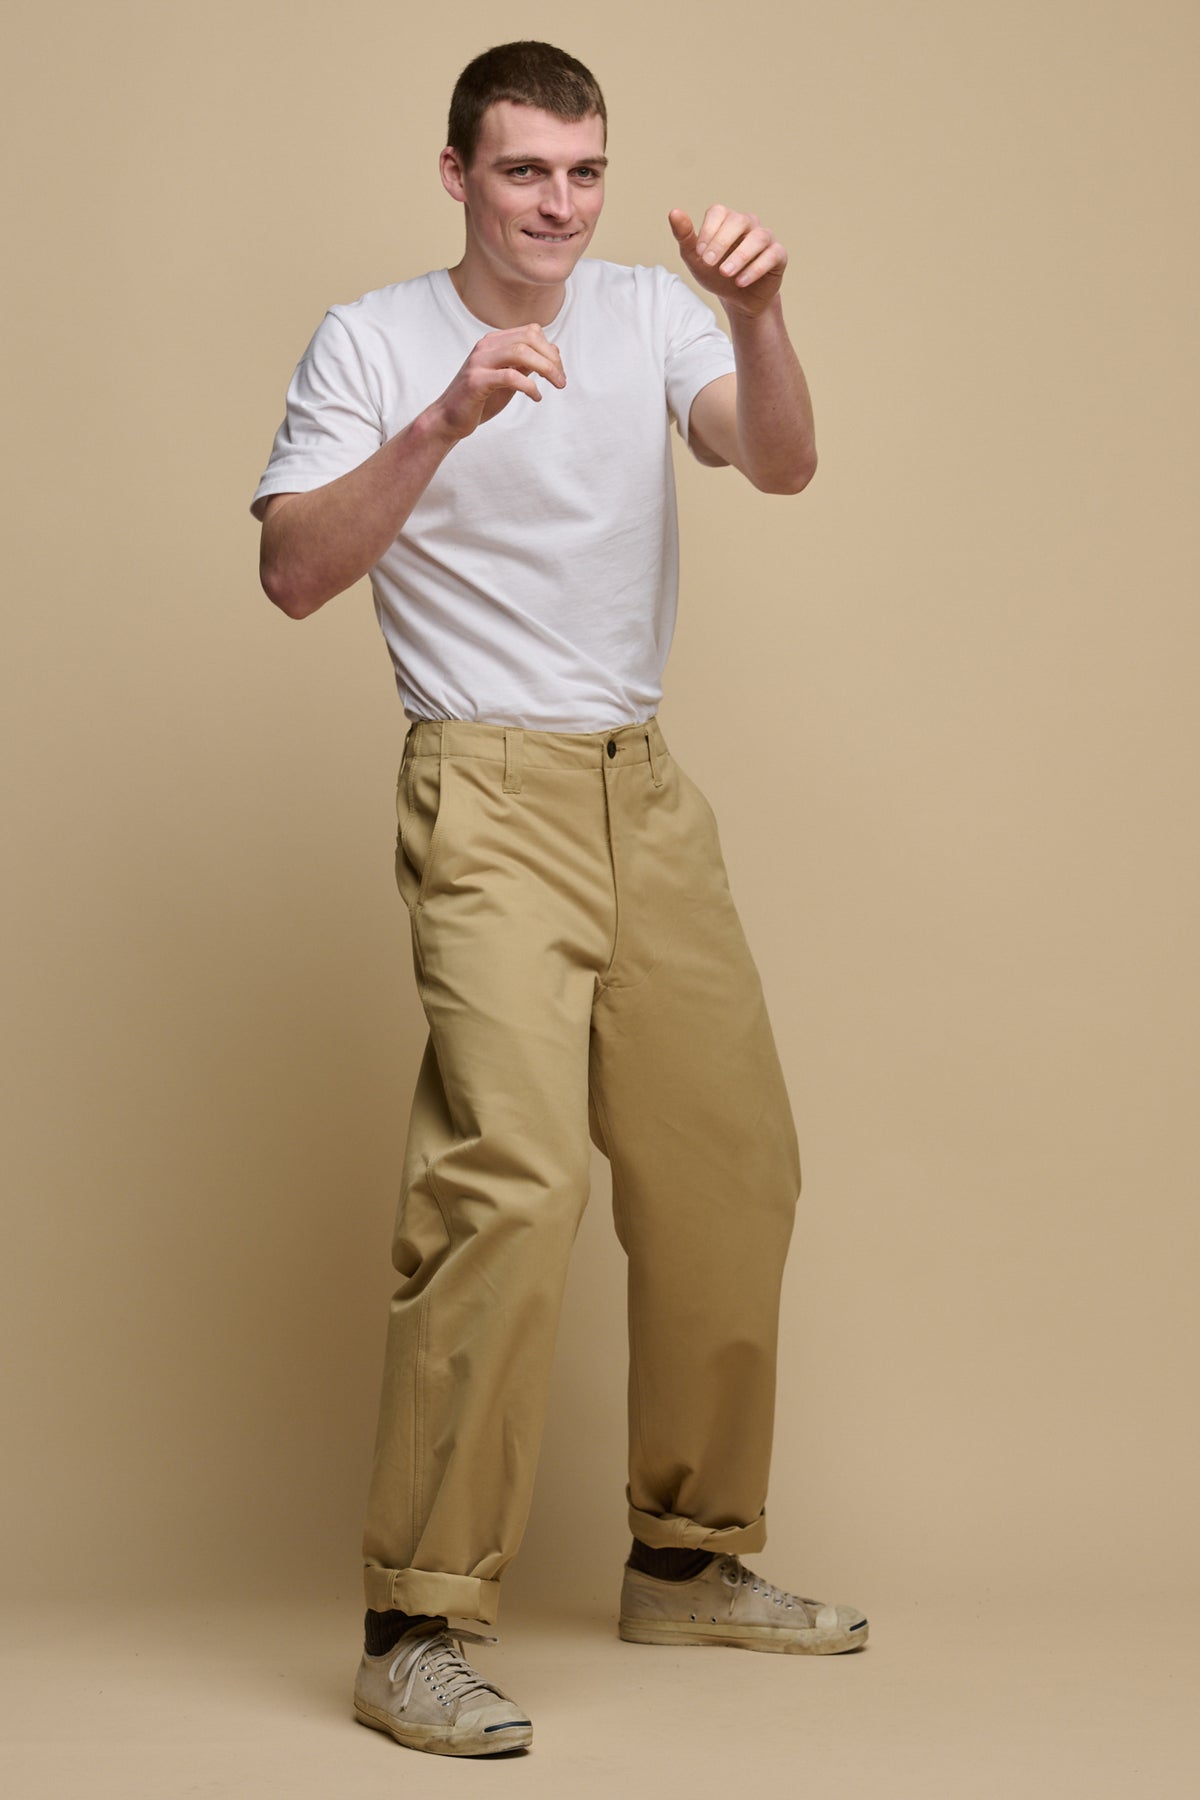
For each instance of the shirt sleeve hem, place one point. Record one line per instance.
(280, 482)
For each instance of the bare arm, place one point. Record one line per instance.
(760, 419)
(315, 545)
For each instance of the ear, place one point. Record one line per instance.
(450, 164)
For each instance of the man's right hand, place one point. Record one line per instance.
(316, 544)
(502, 364)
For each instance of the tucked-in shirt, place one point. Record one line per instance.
(535, 581)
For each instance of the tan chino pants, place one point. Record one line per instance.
(586, 978)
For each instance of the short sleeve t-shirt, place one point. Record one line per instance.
(535, 581)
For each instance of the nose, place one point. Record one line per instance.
(555, 198)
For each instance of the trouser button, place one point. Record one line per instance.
(611, 746)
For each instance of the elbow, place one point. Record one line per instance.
(793, 480)
(284, 572)
(285, 593)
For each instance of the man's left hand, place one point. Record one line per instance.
(733, 256)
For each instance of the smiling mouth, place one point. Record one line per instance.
(551, 237)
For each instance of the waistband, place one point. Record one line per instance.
(537, 749)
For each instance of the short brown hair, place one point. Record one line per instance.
(529, 73)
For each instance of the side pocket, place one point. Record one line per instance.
(697, 794)
(707, 854)
(420, 805)
(403, 808)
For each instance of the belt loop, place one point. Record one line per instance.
(654, 768)
(514, 743)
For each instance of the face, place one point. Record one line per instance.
(532, 194)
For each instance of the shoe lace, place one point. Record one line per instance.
(736, 1576)
(432, 1654)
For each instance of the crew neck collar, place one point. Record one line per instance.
(457, 305)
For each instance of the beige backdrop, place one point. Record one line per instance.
(968, 650)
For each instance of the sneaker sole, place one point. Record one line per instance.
(829, 1641)
(443, 1743)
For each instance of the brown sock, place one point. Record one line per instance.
(382, 1631)
(671, 1564)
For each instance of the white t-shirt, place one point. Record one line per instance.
(535, 581)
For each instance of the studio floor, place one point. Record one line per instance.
(1032, 1697)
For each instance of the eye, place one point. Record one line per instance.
(520, 170)
(588, 173)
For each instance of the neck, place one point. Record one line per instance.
(503, 304)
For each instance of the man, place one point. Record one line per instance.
(491, 444)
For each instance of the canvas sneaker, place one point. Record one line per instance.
(427, 1695)
(729, 1604)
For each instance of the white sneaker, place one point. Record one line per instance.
(427, 1695)
(729, 1604)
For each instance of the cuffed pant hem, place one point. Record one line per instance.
(665, 1531)
(424, 1591)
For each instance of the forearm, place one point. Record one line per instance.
(317, 544)
(776, 440)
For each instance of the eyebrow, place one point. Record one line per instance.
(581, 162)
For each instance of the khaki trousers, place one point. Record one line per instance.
(586, 979)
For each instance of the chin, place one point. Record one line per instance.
(569, 252)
